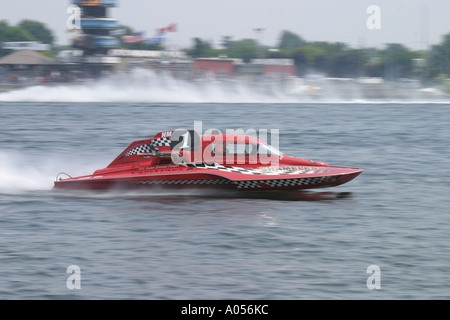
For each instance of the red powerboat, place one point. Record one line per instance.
(183, 158)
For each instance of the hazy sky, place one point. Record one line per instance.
(411, 22)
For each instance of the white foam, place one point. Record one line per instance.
(24, 172)
(147, 86)
(140, 85)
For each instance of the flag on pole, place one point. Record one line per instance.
(134, 38)
(156, 39)
(170, 28)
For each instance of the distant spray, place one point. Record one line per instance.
(147, 86)
(141, 85)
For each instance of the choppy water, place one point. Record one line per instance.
(191, 245)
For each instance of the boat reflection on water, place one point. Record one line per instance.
(174, 197)
(301, 195)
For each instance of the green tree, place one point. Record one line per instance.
(200, 49)
(227, 42)
(12, 33)
(246, 49)
(300, 60)
(312, 54)
(398, 61)
(38, 30)
(322, 55)
(290, 41)
(440, 57)
(348, 63)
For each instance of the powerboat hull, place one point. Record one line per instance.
(192, 178)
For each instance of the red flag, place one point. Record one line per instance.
(172, 28)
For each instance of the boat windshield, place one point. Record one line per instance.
(232, 148)
(268, 149)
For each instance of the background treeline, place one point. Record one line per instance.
(25, 30)
(334, 59)
(31, 30)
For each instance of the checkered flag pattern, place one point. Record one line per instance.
(210, 181)
(269, 173)
(160, 142)
(151, 147)
(216, 166)
(299, 182)
(285, 182)
(240, 170)
(247, 184)
(256, 171)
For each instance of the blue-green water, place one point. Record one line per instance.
(190, 245)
